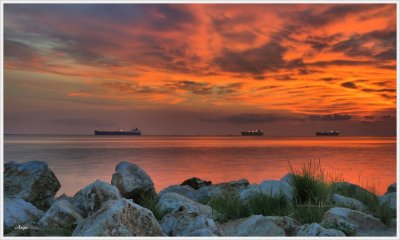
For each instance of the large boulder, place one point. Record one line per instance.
(392, 188)
(61, 215)
(120, 217)
(318, 231)
(183, 223)
(348, 202)
(91, 198)
(174, 201)
(288, 178)
(17, 212)
(353, 222)
(205, 193)
(288, 224)
(255, 225)
(184, 190)
(32, 181)
(389, 199)
(270, 188)
(345, 187)
(195, 183)
(132, 181)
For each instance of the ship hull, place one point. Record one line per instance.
(326, 134)
(252, 134)
(116, 133)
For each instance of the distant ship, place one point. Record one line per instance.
(330, 133)
(253, 133)
(134, 131)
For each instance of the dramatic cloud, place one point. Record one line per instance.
(330, 117)
(349, 85)
(248, 63)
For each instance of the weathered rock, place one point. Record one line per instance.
(32, 181)
(183, 223)
(288, 178)
(389, 199)
(255, 225)
(132, 181)
(18, 212)
(182, 190)
(175, 201)
(392, 188)
(352, 222)
(317, 230)
(288, 224)
(348, 202)
(93, 196)
(119, 218)
(270, 188)
(61, 215)
(205, 193)
(339, 187)
(195, 183)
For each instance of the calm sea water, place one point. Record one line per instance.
(80, 160)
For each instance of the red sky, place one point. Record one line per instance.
(290, 69)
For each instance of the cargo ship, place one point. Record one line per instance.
(330, 133)
(253, 133)
(134, 131)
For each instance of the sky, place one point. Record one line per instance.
(289, 69)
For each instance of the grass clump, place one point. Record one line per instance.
(228, 207)
(309, 184)
(269, 205)
(150, 201)
(309, 213)
(384, 213)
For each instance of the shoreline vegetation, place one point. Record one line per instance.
(308, 201)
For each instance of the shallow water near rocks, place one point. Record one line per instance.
(79, 160)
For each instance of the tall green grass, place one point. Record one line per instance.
(309, 184)
(228, 206)
(269, 205)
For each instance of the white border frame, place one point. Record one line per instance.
(2, 2)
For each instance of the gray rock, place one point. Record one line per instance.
(348, 202)
(255, 225)
(195, 183)
(119, 218)
(132, 181)
(93, 196)
(352, 222)
(18, 212)
(60, 215)
(392, 188)
(317, 230)
(339, 187)
(182, 190)
(183, 223)
(270, 188)
(288, 224)
(389, 199)
(288, 178)
(175, 201)
(205, 193)
(32, 181)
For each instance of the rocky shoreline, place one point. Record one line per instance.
(130, 206)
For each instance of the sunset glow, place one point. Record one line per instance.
(289, 69)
